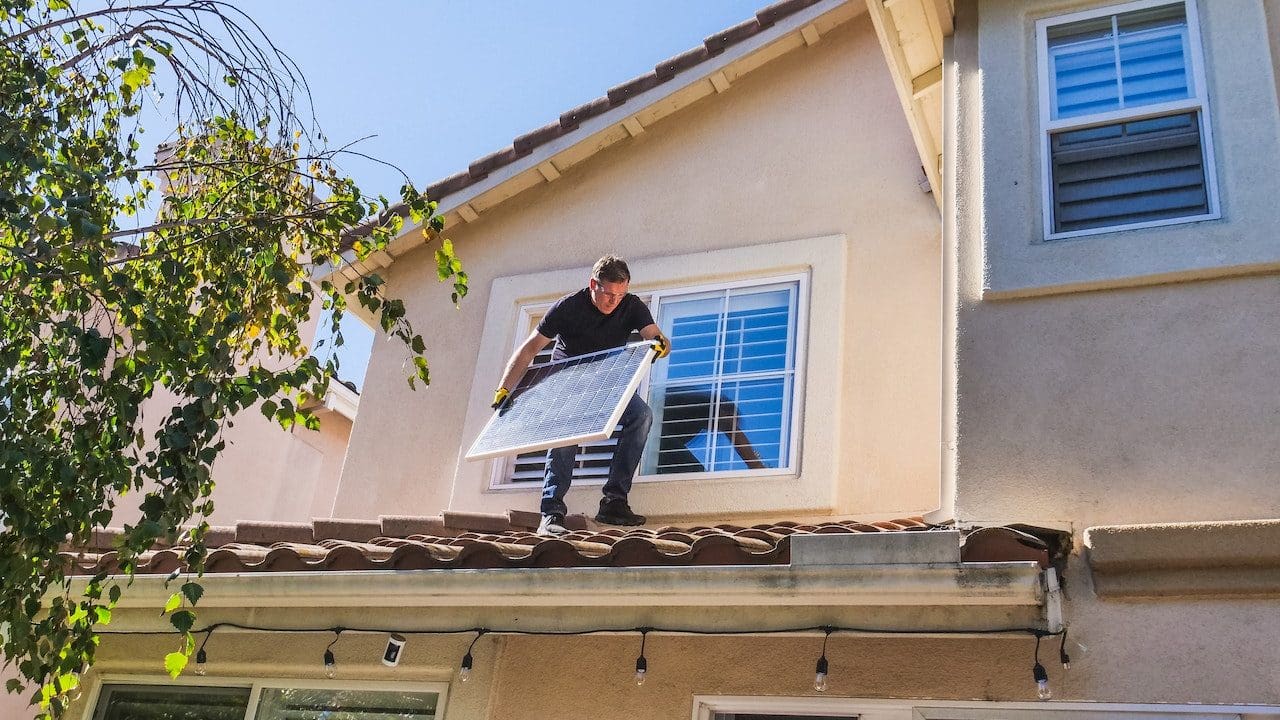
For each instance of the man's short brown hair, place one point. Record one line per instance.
(611, 268)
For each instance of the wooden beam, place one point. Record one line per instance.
(633, 126)
(810, 34)
(899, 70)
(926, 82)
(548, 170)
(719, 82)
(468, 213)
(941, 14)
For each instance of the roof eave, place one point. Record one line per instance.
(545, 163)
(892, 582)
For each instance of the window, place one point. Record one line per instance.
(1125, 118)
(722, 401)
(166, 702)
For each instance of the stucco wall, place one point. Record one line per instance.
(1130, 405)
(812, 145)
(1132, 657)
(265, 472)
(1246, 148)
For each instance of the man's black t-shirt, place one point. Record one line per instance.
(578, 327)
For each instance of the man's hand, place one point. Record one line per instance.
(662, 346)
(500, 398)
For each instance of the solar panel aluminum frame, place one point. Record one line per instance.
(633, 384)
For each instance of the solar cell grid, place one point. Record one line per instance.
(566, 402)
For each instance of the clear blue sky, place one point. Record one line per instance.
(442, 83)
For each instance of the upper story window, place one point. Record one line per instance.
(723, 401)
(1125, 119)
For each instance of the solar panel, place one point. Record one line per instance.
(565, 402)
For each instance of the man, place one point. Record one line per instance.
(599, 317)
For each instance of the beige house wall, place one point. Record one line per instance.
(1119, 378)
(798, 150)
(1137, 404)
(1133, 655)
(265, 472)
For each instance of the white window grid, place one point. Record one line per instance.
(1198, 102)
(257, 684)
(797, 338)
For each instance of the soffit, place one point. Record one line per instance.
(911, 35)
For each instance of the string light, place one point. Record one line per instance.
(642, 665)
(1040, 674)
(464, 672)
(331, 662)
(1063, 657)
(820, 671)
(201, 658)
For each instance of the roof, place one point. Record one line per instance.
(456, 540)
(572, 120)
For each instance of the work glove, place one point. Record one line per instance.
(662, 346)
(500, 398)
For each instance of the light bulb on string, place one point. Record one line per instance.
(1063, 657)
(464, 671)
(823, 667)
(330, 661)
(202, 658)
(1041, 675)
(642, 664)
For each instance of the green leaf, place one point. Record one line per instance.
(193, 592)
(175, 663)
(135, 78)
(183, 620)
(173, 603)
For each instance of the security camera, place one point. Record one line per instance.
(395, 648)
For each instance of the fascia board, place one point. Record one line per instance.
(342, 400)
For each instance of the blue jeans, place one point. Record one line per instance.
(635, 421)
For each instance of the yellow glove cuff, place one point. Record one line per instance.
(662, 347)
(500, 397)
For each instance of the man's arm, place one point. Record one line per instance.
(653, 332)
(520, 360)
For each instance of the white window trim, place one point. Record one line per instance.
(257, 684)
(705, 707)
(1199, 102)
(793, 416)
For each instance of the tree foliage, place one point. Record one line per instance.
(108, 306)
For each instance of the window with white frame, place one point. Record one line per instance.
(723, 400)
(167, 702)
(1125, 119)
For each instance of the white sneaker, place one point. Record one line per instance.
(552, 525)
